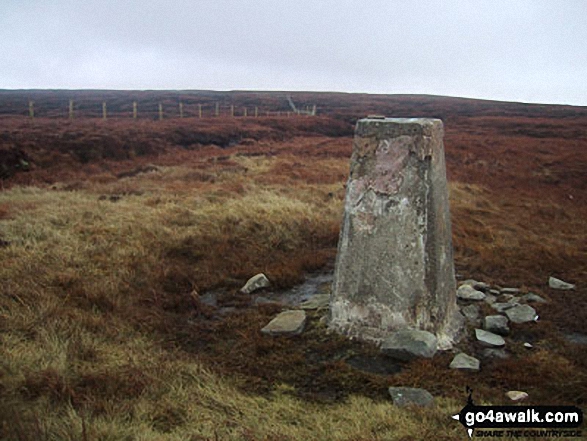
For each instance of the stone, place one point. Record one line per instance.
(501, 306)
(555, 283)
(489, 339)
(479, 286)
(490, 299)
(521, 314)
(495, 353)
(533, 298)
(511, 291)
(290, 322)
(394, 267)
(465, 362)
(408, 344)
(318, 301)
(498, 324)
(254, 283)
(471, 312)
(467, 292)
(516, 395)
(406, 396)
(528, 345)
(577, 338)
(508, 298)
(494, 292)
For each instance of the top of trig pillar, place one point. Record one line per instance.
(382, 127)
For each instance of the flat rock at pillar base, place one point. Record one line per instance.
(498, 324)
(533, 298)
(555, 283)
(471, 313)
(521, 314)
(286, 323)
(254, 283)
(479, 286)
(408, 344)
(467, 292)
(502, 306)
(406, 396)
(465, 362)
(318, 301)
(489, 339)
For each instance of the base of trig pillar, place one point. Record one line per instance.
(394, 268)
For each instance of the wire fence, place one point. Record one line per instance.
(77, 109)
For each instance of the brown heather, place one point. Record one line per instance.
(105, 255)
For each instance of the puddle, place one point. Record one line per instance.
(313, 285)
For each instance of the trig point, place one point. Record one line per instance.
(394, 268)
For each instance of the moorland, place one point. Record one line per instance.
(113, 232)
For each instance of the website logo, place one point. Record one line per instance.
(516, 421)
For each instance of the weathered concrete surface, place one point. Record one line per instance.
(394, 266)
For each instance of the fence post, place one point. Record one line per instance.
(232, 110)
(70, 109)
(217, 110)
(256, 111)
(245, 112)
(314, 110)
(160, 111)
(31, 109)
(104, 113)
(200, 111)
(134, 110)
(181, 110)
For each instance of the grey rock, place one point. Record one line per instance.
(465, 362)
(479, 286)
(516, 395)
(490, 299)
(254, 283)
(408, 344)
(406, 396)
(318, 301)
(495, 353)
(290, 322)
(521, 314)
(555, 283)
(209, 299)
(528, 345)
(467, 292)
(471, 312)
(577, 338)
(498, 324)
(509, 298)
(494, 292)
(511, 291)
(501, 306)
(489, 339)
(533, 298)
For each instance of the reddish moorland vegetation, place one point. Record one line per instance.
(203, 203)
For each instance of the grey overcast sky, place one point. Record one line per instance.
(511, 50)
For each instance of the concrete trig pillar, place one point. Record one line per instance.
(394, 268)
